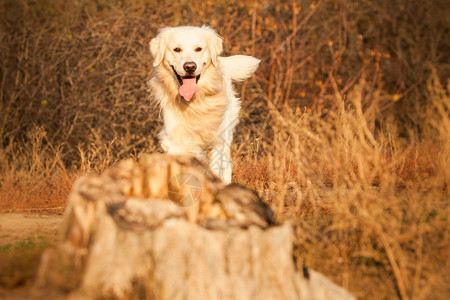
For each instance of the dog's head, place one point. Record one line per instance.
(186, 51)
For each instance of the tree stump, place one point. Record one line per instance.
(168, 228)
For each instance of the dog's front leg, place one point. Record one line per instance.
(220, 162)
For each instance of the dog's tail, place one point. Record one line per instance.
(239, 67)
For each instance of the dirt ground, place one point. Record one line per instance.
(23, 237)
(17, 226)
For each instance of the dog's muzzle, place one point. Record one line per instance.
(180, 78)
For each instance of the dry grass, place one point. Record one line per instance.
(372, 210)
(344, 131)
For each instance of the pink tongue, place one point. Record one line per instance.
(188, 88)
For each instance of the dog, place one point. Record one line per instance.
(192, 85)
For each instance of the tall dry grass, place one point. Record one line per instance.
(368, 208)
(344, 129)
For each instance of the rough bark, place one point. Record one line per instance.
(124, 239)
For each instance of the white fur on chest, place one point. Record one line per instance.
(197, 127)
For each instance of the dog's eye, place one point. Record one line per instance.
(177, 49)
(198, 49)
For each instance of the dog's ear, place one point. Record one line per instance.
(158, 46)
(214, 44)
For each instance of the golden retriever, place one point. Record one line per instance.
(193, 86)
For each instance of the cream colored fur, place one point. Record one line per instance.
(204, 126)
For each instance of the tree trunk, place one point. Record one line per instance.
(167, 228)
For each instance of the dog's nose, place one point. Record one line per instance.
(190, 67)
